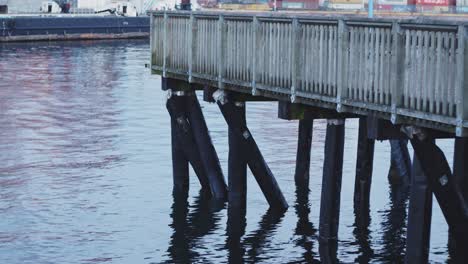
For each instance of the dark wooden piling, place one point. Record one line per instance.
(180, 164)
(183, 135)
(364, 166)
(237, 165)
(460, 165)
(304, 144)
(457, 250)
(262, 173)
(442, 183)
(400, 168)
(331, 183)
(419, 217)
(205, 146)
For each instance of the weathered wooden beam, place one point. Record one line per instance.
(381, 129)
(292, 111)
(364, 166)
(237, 165)
(400, 162)
(208, 153)
(255, 160)
(460, 166)
(419, 217)
(304, 144)
(331, 183)
(442, 183)
(180, 164)
(184, 136)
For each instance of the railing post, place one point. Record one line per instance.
(221, 50)
(191, 52)
(398, 70)
(152, 37)
(343, 48)
(165, 51)
(255, 48)
(462, 81)
(295, 58)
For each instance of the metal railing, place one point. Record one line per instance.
(402, 69)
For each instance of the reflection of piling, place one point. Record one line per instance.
(257, 240)
(419, 217)
(304, 228)
(262, 173)
(331, 189)
(304, 144)
(189, 227)
(364, 166)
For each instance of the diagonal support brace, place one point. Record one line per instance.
(254, 157)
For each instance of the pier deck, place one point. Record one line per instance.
(409, 71)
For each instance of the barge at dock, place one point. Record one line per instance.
(72, 27)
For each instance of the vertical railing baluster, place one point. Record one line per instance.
(221, 50)
(165, 44)
(255, 51)
(295, 61)
(192, 43)
(398, 67)
(343, 46)
(462, 82)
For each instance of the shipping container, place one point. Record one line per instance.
(435, 5)
(346, 4)
(396, 5)
(297, 4)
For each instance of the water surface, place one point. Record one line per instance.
(85, 173)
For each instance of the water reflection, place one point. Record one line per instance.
(394, 225)
(362, 234)
(189, 227)
(259, 239)
(235, 231)
(305, 230)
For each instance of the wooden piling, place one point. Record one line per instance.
(183, 135)
(237, 165)
(364, 166)
(400, 168)
(180, 164)
(460, 166)
(442, 183)
(255, 160)
(457, 250)
(304, 144)
(419, 217)
(205, 146)
(331, 183)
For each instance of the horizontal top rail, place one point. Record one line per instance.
(403, 69)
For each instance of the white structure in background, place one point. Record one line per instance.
(24, 6)
(127, 8)
(90, 6)
(50, 7)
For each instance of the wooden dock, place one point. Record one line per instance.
(404, 78)
(407, 71)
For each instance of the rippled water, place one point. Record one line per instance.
(85, 172)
